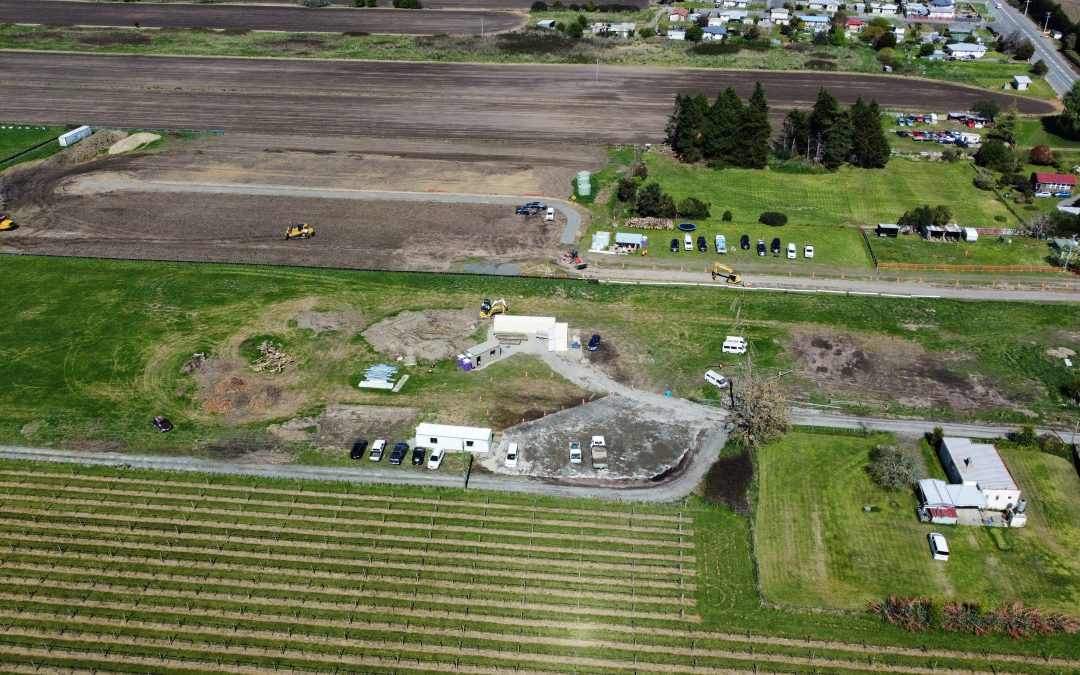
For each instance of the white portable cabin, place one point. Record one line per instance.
(74, 136)
(450, 437)
(971, 234)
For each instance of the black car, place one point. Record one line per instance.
(761, 247)
(701, 245)
(594, 343)
(162, 424)
(417, 456)
(775, 246)
(674, 245)
(744, 242)
(358, 449)
(398, 453)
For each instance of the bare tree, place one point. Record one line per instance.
(1041, 225)
(893, 468)
(761, 413)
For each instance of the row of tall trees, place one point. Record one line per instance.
(727, 132)
(832, 135)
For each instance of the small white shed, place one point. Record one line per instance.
(1021, 82)
(450, 437)
(971, 234)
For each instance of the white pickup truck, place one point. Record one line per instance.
(575, 452)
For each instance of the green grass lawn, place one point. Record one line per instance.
(1031, 132)
(95, 351)
(845, 197)
(986, 251)
(16, 138)
(817, 547)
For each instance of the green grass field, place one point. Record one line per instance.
(16, 138)
(134, 570)
(95, 351)
(845, 197)
(817, 547)
(986, 251)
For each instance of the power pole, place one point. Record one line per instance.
(1046, 23)
(597, 70)
(1026, 7)
(482, 25)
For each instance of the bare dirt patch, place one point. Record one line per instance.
(339, 425)
(319, 322)
(228, 386)
(887, 371)
(132, 142)
(1060, 352)
(431, 335)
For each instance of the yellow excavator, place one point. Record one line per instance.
(489, 309)
(7, 224)
(299, 231)
(726, 272)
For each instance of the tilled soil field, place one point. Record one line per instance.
(358, 234)
(237, 17)
(418, 100)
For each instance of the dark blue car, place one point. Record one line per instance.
(594, 343)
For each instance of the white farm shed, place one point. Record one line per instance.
(981, 465)
(514, 329)
(450, 437)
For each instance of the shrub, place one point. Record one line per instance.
(692, 207)
(315, 3)
(694, 33)
(773, 218)
(647, 32)
(984, 180)
(1025, 435)
(1071, 389)
(726, 217)
(1040, 68)
(893, 468)
(997, 156)
(1024, 51)
(641, 171)
(821, 64)
(626, 190)
(911, 614)
(1042, 155)
(407, 4)
(539, 6)
(654, 202)
(712, 48)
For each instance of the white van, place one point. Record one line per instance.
(939, 548)
(550, 215)
(734, 345)
(512, 456)
(721, 244)
(688, 243)
(716, 379)
(791, 250)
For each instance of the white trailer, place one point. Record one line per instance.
(450, 437)
(74, 136)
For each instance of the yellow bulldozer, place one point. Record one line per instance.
(489, 309)
(299, 231)
(7, 224)
(726, 272)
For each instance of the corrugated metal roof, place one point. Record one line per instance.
(628, 238)
(979, 463)
(428, 430)
(938, 493)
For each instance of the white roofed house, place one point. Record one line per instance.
(713, 33)
(965, 50)
(622, 29)
(829, 6)
(779, 16)
(883, 8)
(676, 34)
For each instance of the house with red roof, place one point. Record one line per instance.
(1053, 182)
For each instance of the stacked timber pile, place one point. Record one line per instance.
(273, 360)
(651, 223)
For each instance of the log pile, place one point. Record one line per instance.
(651, 223)
(273, 360)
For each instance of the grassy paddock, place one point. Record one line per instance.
(16, 138)
(817, 547)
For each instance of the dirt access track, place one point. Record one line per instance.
(428, 4)
(417, 100)
(291, 19)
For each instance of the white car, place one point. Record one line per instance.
(549, 215)
(377, 449)
(512, 456)
(808, 252)
(435, 459)
(688, 242)
(575, 452)
(1042, 193)
(791, 251)
(939, 548)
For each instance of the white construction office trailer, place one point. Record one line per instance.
(514, 329)
(74, 136)
(455, 438)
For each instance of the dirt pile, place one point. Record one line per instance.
(888, 371)
(228, 387)
(429, 335)
(132, 142)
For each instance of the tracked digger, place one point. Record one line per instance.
(489, 309)
(726, 273)
(299, 231)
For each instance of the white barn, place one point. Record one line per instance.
(980, 464)
(450, 437)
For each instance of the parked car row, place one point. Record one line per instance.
(943, 137)
(1046, 193)
(397, 454)
(532, 208)
(720, 244)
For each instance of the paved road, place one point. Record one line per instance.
(437, 101)
(1061, 75)
(270, 18)
(569, 235)
(1059, 291)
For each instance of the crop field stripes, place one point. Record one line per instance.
(627, 516)
(293, 508)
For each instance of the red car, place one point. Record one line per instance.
(162, 424)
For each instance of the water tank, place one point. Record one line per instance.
(584, 186)
(1021, 506)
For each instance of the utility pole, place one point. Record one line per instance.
(482, 25)
(1068, 255)
(1046, 23)
(598, 70)
(1026, 7)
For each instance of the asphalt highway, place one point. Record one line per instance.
(1061, 75)
(417, 100)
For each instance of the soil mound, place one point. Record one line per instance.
(428, 335)
(131, 142)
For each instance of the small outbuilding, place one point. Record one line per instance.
(971, 234)
(546, 24)
(450, 437)
(887, 230)
(1021, 82)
